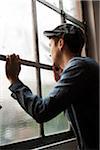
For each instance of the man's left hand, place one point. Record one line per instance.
(13, 67)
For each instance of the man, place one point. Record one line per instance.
(77, 88)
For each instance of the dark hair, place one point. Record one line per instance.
(75, 42)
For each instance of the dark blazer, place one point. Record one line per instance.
(77, 92)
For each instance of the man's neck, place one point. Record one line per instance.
(65, 59)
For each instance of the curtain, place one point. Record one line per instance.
(91, 20)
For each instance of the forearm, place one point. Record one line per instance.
(41, 110)
(28, 101)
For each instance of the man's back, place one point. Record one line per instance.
(84, 110)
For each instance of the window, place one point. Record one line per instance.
(17, 35)
(73, 8)
(59, 123)
(46, 20)
(15, 124)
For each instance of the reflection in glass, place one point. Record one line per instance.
(16, 33)
(73, 8)
(47, 20)
(15, 123)
(59, 123)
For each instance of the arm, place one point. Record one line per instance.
(40, 109)
(57, 101)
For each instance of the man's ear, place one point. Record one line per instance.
(60, 44)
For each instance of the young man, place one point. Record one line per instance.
(77, 88)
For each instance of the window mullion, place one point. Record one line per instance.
(67, 16)
(62, 12)
(38, 75)
(29, 63)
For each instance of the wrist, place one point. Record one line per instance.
(13, 81)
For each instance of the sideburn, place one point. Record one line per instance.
(56, 39)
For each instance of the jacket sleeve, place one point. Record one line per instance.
(44, 109)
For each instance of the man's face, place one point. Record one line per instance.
(54, 50)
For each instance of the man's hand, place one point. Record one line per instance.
(57, 72)
(13, 67)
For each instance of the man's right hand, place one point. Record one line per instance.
(12, 67)
(57, 72)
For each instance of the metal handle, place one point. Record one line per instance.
(3, 57)
(30, 63)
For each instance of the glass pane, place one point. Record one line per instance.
(16, 35)
(59, 123)
(73, 8)
(53, 2)
(15, 123)
(47, 20)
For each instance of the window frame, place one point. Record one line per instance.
(42, 141)
(60, 136)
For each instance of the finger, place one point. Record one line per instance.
(18, 59)
(8, 59)
(7, 65)
(17, 56)
(14, 58)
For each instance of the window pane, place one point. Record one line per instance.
(73, 8)
(15, 123)
(60, 122)
(16, 35)
(47, 20)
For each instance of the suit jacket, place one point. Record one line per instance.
(77, 91)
